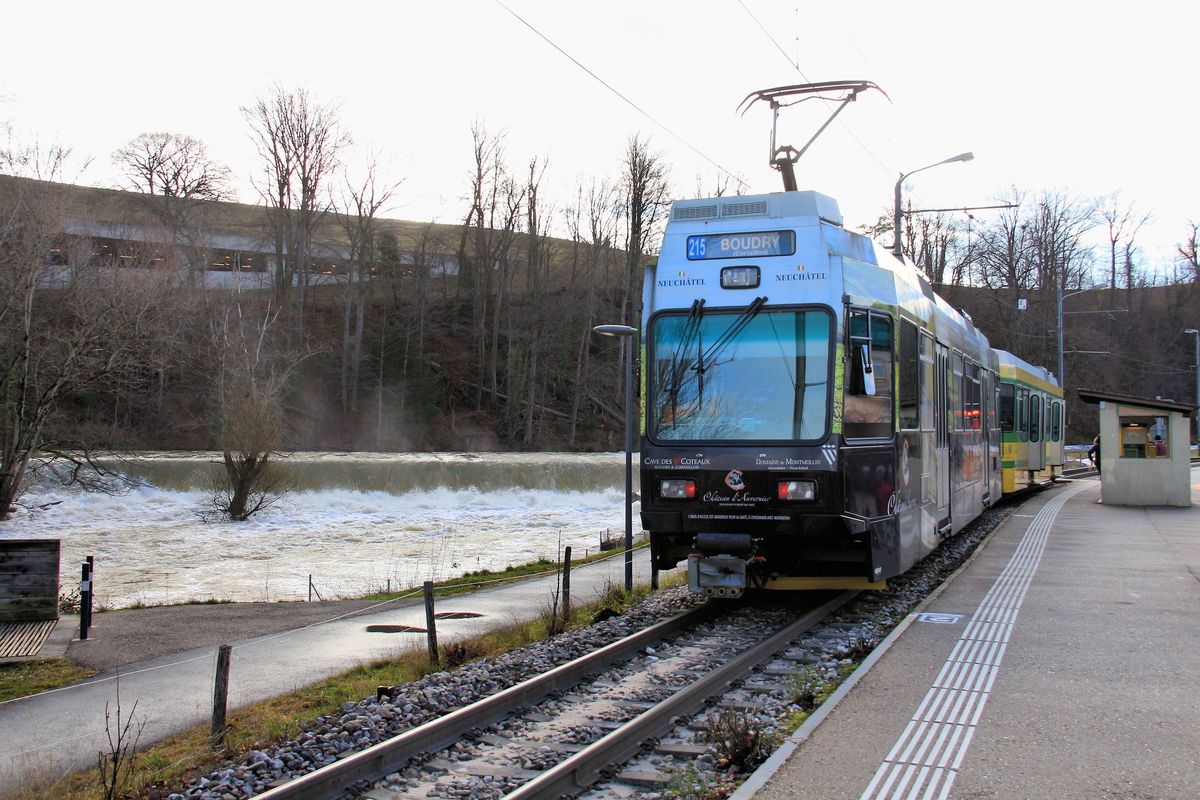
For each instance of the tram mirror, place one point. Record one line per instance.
(868, 373)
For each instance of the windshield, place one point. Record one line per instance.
(739, 375)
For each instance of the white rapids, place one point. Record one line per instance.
(151, 546)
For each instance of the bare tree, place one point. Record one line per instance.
(177, 183)
(360, 207)
(1187, 253)
(299, 146)
(172, 165)
(1123, 223)
(487, 237)
(58, 338)
(252, 369)
(645, 196)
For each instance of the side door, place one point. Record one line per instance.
(941, 425)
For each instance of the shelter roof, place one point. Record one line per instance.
(1094, 396)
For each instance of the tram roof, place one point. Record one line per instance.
(806, 204)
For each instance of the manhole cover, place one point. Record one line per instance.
(456, 615)
(394, 629)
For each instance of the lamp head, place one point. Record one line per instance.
(615, 330)
(968, 156)
(1190, 330)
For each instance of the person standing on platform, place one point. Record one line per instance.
(1094, 454)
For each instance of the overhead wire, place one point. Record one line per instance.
(796, 66)
(611, 88)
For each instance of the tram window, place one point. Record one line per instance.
(956, 391)
(909, 376)
(1008, 407)
(768, 380)
(928, 385)
(1056, 422)
(1023, 410)
(970, 396)
(1035, 418)
(867, 412)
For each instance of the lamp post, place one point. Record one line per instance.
(897, 219)
(1195, 332)
(626, 334)
(1059, 328)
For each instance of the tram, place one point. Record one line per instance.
(1031, 424)
(815, 416)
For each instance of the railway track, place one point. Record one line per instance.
(560, 732)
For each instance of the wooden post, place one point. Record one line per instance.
(220, 697)
(566, 585)
(431, 625)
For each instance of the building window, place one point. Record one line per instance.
(1144, 437)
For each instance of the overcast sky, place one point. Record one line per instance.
(1087, 98)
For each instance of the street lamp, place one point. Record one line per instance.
(1062, 380)
(1196, 414)
(897, 219)
(626, 334)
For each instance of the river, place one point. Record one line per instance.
(355, 522)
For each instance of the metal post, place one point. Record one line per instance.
(566, 585)
(628, 463)
(897, 219)
(1062, 381)
(91, 598)
(431, 625)
(1196, 333)
(85, 600)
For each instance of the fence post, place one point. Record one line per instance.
(430, 625)
(85, 600)
(566, 585)
(216, 737)
(310, 587)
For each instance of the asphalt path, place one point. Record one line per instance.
(160, 662)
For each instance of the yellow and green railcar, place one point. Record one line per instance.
(1031, 424)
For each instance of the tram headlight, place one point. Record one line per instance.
(677, 489)
(797, 490)
(739, 277)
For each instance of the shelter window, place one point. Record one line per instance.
(868, 408)
(1144, 437)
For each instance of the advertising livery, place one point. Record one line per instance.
(814, 415)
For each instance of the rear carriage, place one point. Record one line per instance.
(815, 415)
(1031, 423)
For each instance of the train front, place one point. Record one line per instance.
(741, 363)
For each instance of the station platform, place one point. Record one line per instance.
(1062, 662)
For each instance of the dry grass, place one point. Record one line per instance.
(31, 677)
(172, 762)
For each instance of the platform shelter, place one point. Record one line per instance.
(1144, 453)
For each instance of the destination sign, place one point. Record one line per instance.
(741, 245)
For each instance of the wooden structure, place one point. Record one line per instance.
(29, 579)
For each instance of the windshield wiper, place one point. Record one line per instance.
(731, 333)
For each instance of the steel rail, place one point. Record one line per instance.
(584, 768)
(393, 754)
